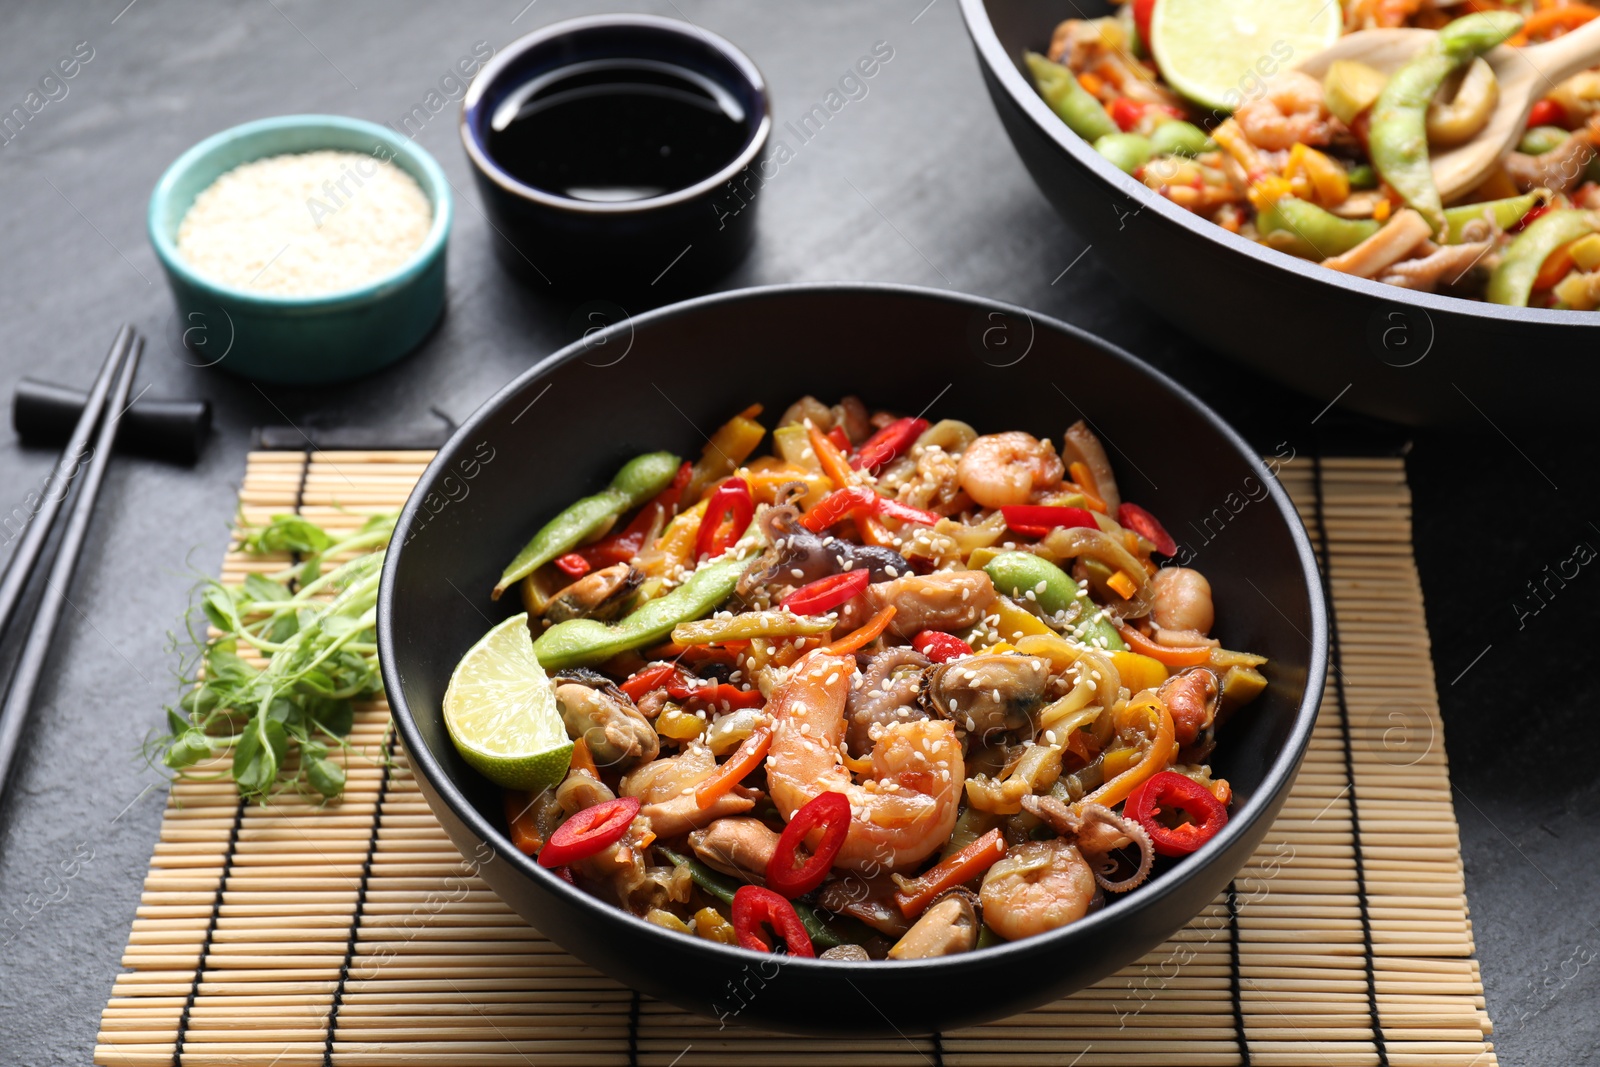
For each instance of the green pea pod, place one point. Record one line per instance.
(751, 624)
(581, 642)
(1542, 139)
(1507, 213)
(1512, 281)
(1074, 104)
(1397, 139)
(1126, 151)
(639, 479)
(1179, 138)
(1019, 574)
(841, 930)
(1311, 231)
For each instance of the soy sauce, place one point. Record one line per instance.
(617, 130)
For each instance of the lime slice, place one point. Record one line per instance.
(1218, 53)
(501, 711)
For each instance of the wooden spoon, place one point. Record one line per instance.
(1525, 75)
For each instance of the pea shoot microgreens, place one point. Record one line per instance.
(317, 634)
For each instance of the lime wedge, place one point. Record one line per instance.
(1218, 53)
(501, 712)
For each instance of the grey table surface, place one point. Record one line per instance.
(915, 182)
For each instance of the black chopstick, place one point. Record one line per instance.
(122, 364)
(20, 568)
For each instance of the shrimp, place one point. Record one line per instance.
(665, 788)
(1289, 110)
(1037, 887)
(1182, 600)
(905, 810)
(999, 469)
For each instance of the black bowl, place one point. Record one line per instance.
(626, 246)
(562, 428)
(1411, 357)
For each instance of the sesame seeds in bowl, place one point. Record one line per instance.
(303, 249)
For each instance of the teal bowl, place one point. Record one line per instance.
(294, 340)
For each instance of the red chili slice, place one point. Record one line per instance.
(727, 516)
(831, 811)
(754, 908)
(940, 647)
(1171, 792)
(1148, 527)
(573, 565)
(883, 447)
(662, 674)
(1547, 112)
(1037, 520)
(589, 831)
(825, 594)
(1126, 113)
(842, 503)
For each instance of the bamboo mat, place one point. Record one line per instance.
(293, 936)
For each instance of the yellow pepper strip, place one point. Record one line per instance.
(1585, 251)
(1156, 757)
(675, 547)
(769, 474)
(1016, 622)
(751, 624)
(675, 724)
(1326, 182)
(730, 446)
(1139, 672)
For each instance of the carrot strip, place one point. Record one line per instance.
(1123, 584)
(1566, 18)
(746, 758)
(1171, 655)
(583, 760)
(832, 461)
(519, 817)
(917, 893)
(864, 636)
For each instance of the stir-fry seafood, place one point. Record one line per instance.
(1336, 169)
(896, 690)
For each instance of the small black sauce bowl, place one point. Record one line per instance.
(689, 235)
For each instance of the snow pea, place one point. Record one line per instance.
(639, 479)
(1512, 281)
(1179, 138)
(1025, 576)
(1126, 151)
(581, 642)
(1398, 137)
(1074, 104)
(1312, 231)
(1542, 139)
(1507, 213)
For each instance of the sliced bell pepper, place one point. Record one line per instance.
(840, 438)
(1148, 527)
(885, 446)
(1037, 520)
(864, 636)
(940, 647)
(858, 499)
(727, 517)
(825, 594)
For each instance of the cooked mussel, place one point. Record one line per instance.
(593, 708)
(990, 693)
(601, 594)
